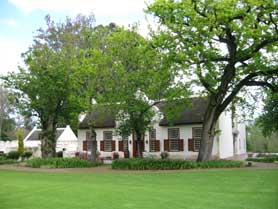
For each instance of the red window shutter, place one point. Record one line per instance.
(157, 145)
(121, 146)
(113, 146)
(181, 145)
(101, 145)
(166, 145)
(191, 145)
(85, 145)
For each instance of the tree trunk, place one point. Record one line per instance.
(48, 140)
(208, 134)
(94, 145)
(138, 144)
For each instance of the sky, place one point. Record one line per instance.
(20, 19)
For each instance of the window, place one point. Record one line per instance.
(107, 137)
(152, 138)
(152, 134)
(197, 136)
(174, 136)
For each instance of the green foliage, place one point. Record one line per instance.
(266, 159)
(257, 142)
(131, 79)
(59, 163)
(196, 32)
(13, 155)
(167, 164)
(19, 137)
(26, 154)
(52, 84)
(268, 121)
(164, 155)
(4, 160)
(7, 122)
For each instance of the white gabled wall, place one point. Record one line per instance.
(67, 140)
(226, 135)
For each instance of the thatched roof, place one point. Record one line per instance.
(193, 113)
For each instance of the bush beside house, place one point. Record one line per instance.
(167, 164)
(265, 159)
(4, 160)
(60, 163)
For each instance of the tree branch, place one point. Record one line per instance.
(256, 48)
(246, 82)
(263, 84)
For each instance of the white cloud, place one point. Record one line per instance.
(8, 22)
(99, 7)
(10, 53)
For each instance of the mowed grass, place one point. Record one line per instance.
(212, 189)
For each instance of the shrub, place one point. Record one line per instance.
(19, 137)
(266, 159)
(164, 155)
(4, 160)
(60, 163)
(167, 164)
(2, 154)
(59, 154)
(26, 154)
(14, 155)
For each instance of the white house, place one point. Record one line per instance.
(65, 137)
(180, 138)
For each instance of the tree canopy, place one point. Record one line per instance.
(131, 80)
(225, 45)
(51, 85)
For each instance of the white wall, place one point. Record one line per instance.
(241, 138)
(67, 141)
(99, 137)
(226, 135)
(161, 134)
(7, 146)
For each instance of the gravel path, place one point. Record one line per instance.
(107, 169)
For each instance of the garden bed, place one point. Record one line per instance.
(265, 159)
(60, 163)
(167, 164)
(4, 160)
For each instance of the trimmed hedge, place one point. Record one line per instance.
(266, 159)
(60, 163)
(167, 164)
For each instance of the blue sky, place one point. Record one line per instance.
(19, 20)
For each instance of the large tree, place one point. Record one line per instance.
(52, 84)
(131, 80)
(227, 45)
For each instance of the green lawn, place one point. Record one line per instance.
(233, 189)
